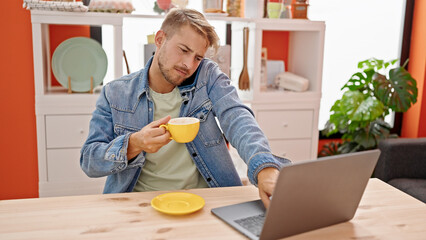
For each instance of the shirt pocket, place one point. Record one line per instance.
(209, 133)
(120, 129)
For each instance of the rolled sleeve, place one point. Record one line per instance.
(263, 160)
(117, 152)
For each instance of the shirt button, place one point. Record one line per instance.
(209, 179)
(185, 102)
(150, 109)
(194, 154)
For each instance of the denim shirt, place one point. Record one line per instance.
(124, 107)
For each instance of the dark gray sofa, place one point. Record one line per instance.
(402, 164)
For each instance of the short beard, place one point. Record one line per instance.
(174, 80)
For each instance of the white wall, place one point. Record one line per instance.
(355, 30)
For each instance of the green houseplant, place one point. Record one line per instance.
(369, 97)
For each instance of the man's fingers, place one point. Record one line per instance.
(155, 132)
(265, 198)
(161, 136)
(267, 179)
(155, 143)
(158, 122)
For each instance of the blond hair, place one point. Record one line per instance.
(179, 17)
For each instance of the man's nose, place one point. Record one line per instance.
(188, 62)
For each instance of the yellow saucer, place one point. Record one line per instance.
(177, 203)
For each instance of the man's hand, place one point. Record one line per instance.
(149, 139)
(266, 180)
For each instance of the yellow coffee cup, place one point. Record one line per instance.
(182, 129)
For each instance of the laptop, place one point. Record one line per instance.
(308, 195)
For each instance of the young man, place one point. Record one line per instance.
(126, 143)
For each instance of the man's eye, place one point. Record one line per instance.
(184, 50)
(199, 59)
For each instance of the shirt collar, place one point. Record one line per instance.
(143, 80)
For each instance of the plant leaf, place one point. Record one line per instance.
(351, 113)
(350, 102)
(399, 92)
(360, 80)
(368, 110)
(371, 64)
(369, 137)
(348, 147)
(365, 139)
(338, 121)
(329, 149)
(392, 62)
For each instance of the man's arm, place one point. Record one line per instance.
(243, 132)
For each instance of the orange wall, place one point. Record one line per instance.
(18, 159)
(422, 120)
(269, 41)
(416, 115)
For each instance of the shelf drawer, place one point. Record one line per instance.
(286, 124)
(63, 165)
(66, 131)
(294, 150)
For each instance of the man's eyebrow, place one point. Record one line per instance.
(190, 50)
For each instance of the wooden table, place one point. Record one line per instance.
(384, 213)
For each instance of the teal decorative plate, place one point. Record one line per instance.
(80, 58)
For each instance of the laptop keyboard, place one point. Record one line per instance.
(252, 224)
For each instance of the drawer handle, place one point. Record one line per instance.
(285, 124)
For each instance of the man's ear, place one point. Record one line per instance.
(160, 37)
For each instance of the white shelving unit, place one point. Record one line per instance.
(289, 119)
(63, 119)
